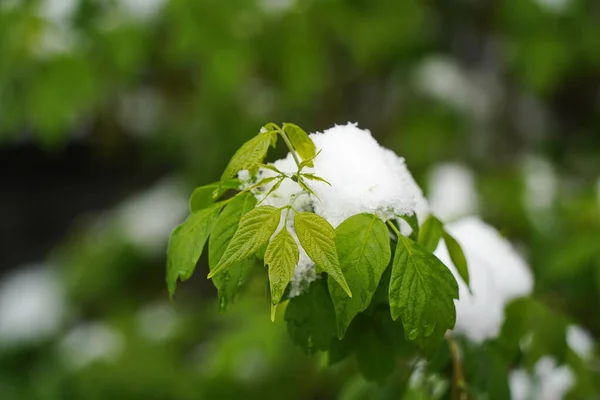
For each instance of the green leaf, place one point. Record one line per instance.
(363, 245)
(272, 168)
(375, 355)
(422, 291)
(457, 256)
(413, 222)
(317, 237)
(529, 317)
(307, 188)
(271, 126)
(282, 256)
(249, 155)
(261, 183)
(205, 196)
(260, 253)
(314, 177)
(186, 244)
(430, 233)
(274, 188)
(303, 145)
(308, 162)
(228, 282)
(310, 319)
(255, 229)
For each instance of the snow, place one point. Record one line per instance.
(157, 322)
(580, 341)
(57, 11)
(364, 177)
(281, 197)
(452, 193)
(548, 381)
(56, 35)
(139, 111)
(32, 305)
(497, 272)
(89, 343)
(540, 184)
(147, 218)
(468, 91)
(144, 10)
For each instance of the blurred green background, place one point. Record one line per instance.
(112, 111)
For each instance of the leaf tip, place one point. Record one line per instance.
(347, 290)
(273, 312)
(341, 331)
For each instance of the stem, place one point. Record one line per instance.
(396, 231)
(458, 380)
(289, 145)
(287, 213)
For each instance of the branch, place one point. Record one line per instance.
(458, 379)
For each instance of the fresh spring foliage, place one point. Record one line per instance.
(370, 273)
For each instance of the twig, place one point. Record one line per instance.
(458, 379)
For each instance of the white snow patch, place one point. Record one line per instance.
(144, 10)
(56, 35)
(250, 365)
(580, 341)
(147, 218)
(32, 305)
(548, 381)
(452, 192)
(540, 184)
(364, 177)
(57, 11)
(470, 92)
(497, 272)
(139, 111)
(157, 322)
(89, 343)
(288, 188)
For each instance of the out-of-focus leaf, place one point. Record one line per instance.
(186, 244)
(311, 319)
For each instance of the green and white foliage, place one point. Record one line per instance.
(353, 258)
(325, 220)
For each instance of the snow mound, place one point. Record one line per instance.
(580, 341)
(32, 305)
(364, 178)
(452, 192)
(548, 381)
(497, 272)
